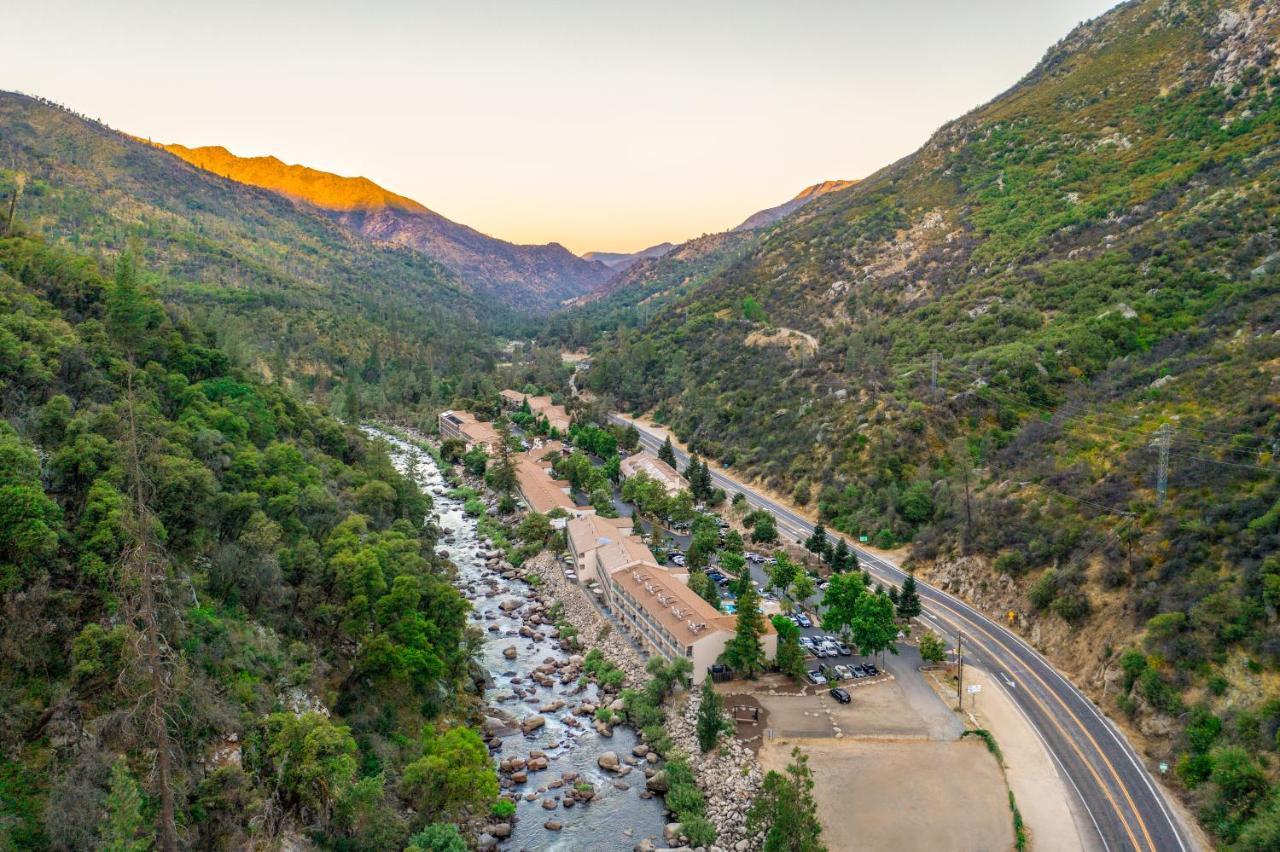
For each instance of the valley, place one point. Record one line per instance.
(935, 506)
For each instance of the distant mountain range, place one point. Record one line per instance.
(533, 277)
(618, 261)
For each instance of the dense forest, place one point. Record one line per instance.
(286, 292)
(223, 617)
(979, 353)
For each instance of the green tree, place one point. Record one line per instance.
(733, 542)
(932, 648)
(840, 601)
(765, 529)
(440, 836)
(842, 558)
(705, 587)
(908, 599)
(782, 572)
(668, 453)
(535, 529)
(817, 542)
(790, 658)
(314, 761)
(785, 812)
(802, 587)
(501, 476)
(744, 653)
(916, 503)
(711, 720)
(679, 508)
(874, 626)
(126, 828)
(453, 777)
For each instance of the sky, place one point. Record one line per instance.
(599, 125)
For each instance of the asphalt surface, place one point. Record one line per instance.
(1115, 790)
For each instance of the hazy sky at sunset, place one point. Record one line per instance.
(599, 125)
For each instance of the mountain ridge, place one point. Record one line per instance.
(770, 215)
(536, 277)
(1007, 321)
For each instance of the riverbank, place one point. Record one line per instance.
(539, 596)
(729, 775)
(541, 722)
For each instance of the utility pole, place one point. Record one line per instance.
(1162, 471)
(960, 674)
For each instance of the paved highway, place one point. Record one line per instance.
(1124, 806)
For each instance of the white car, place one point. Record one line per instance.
(817, 678)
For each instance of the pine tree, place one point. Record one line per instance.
(745, 654)
(908, 599)
(817, 543)
(840, 556)
(785, 811)
(711, 721)
(668, 452)
(125, 826)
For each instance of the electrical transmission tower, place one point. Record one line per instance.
(1162, 471)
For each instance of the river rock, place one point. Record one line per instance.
(608, 761)
(552, 825)
(531, 724)
(510, 652)
(658, 782)
(548, 804)
(671, 833)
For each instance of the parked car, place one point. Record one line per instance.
(806, 642)
(859, 671)
(871, 670)
(845, 650)
(821, 651)
(841, 695)
(817, 678)
(803, 620)
(842, 672)
(677, 559)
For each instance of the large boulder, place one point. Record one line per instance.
(608, 761)
(531, 724)
(658, 782)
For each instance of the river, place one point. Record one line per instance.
(617, 819)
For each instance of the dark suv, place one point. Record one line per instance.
(841, 695)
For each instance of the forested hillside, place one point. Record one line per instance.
(530, 277)
(1088, 258)
(223, 614)
(287, 291)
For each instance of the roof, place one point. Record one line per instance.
(540, 491)
(512, 396)
(592, 531)
(543, 450)
(675, 606)
(655, 468)
(625, 552)
(475, 430)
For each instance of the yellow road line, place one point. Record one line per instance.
(1070, 741)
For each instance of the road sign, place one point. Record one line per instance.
(974, 688)
(863, 539)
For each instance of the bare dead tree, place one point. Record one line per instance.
(144, 564)
(19, 184)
